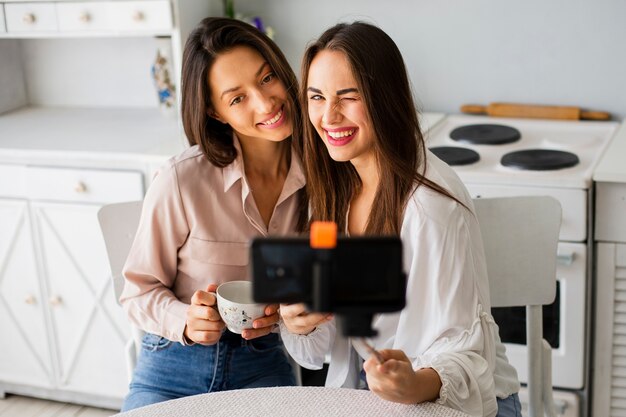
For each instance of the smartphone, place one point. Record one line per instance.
(359, 275)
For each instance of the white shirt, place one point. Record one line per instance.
(446, 324)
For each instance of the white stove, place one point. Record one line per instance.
(574, 148)
(587, 140)
(489, 178)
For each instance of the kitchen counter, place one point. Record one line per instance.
(73, 136)
(94, 133)
(429, 120)
(611, 167)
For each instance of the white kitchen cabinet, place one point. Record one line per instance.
(31, 17)
(89, 328)
(126, 35)
(146, 17)
(127, 16)
(56, 299)
(25, 356)
(81, 16)
(609, 389)
(80, 126)
(609, 371)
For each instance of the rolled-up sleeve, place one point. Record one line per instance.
(151, 267)
(446, 325)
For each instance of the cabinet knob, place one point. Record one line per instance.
(30, 299)
(55, 300)
(80, 187)
(84, 17)
(138, 16)
(29, 18)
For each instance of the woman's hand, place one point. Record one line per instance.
(264, 325)
(299, 321)
(395, 380)
(204, 324)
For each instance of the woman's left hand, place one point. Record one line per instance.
(395, 380)
(264, 325)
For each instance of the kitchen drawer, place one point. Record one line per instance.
(610, 212)
(83, 185)
(83, 16)
(138, 16)
(30, 17)
(12, 181)
(3, 27)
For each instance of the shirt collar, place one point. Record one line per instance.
(295, 177)
(235, 172)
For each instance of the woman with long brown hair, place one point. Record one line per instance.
(369, 171)
(241, 177)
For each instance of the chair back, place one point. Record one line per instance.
(119, 223)
(520, 237)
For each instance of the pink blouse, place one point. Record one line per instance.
(196, 223)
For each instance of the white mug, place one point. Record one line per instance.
(236, 306)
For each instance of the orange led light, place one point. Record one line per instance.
(323, 235)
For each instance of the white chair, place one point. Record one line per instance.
(118, 223)
(520, 236)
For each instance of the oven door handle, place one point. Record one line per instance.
(565, 258)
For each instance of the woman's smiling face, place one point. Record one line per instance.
(246, 94)
(336, 108)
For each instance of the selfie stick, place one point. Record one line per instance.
(324, 240)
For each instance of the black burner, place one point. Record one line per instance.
(539, 159)
(453, 155)
(485, 134)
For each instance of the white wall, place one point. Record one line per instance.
(12, 86)
(567, 52)
(92, 72)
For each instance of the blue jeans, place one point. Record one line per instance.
(167, 370)
(509, 406)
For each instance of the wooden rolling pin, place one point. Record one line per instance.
(535, 112)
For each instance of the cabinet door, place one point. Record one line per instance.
(89, 326)
(24, 355)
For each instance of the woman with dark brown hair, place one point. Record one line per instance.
(240, 178)
(369, 171)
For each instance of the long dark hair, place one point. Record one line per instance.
(383, 83)
(213, 36)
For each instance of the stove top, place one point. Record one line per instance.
(546, 153)
(455, 155)
(485, 134)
